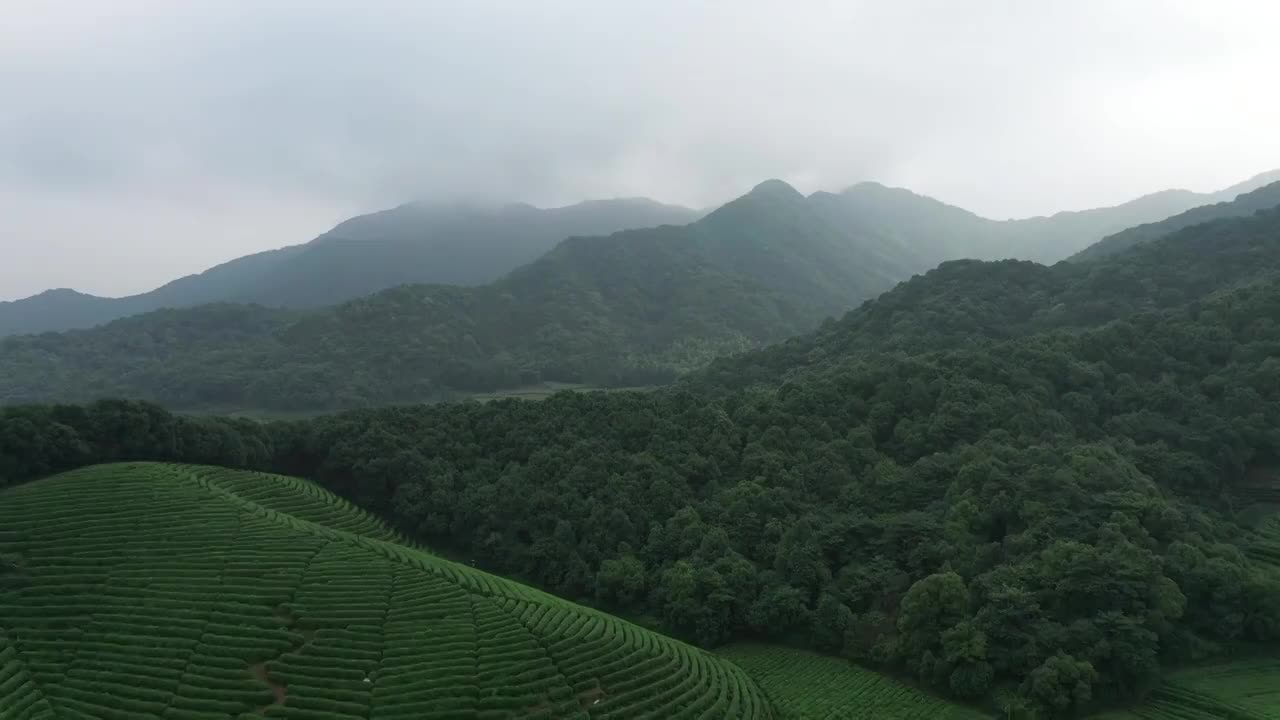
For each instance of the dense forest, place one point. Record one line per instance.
(414, 243)
(996, 477)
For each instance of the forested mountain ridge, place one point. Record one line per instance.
(1263, 198)
(970, 303)
(413, 243)
(1038, 520)
(466, 245)
(635, 307)
(936, 232)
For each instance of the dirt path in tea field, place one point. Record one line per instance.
(277, 690)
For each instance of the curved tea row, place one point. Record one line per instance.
(807, 686)
(161, 591)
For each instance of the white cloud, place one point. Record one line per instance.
(160, 137)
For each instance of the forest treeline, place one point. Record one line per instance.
(1004, 479)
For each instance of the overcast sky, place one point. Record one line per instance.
(141, 140)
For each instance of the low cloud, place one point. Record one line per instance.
(149, 141)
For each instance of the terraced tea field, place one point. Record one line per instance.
(145, 590)
(1241, 690)
(807, 686)
(1267, 548)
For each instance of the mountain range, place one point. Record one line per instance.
(637, 307)
(936, 232)
(453, 244)
(470, 245)
(634, 307)
(1262, 198)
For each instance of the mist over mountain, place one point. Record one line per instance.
(970, 304)
(1247, 203)
(420, 242)
(458, 244)
(635, 307)
(935, 231)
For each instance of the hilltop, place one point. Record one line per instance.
(420, 242)
(146, 590)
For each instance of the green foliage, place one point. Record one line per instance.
(1061, 683)
(223, 593)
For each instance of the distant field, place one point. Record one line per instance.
(253, 413)
(808, 686)
(146, 590)
(540, 391)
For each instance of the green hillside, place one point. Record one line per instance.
(971, 304)
(634, 308)
(165, 591)
(1264, 198)
(413, 243)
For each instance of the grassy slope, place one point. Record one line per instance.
(146, 590)
(807, 686)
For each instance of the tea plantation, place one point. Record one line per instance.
(1247, 689)
(145, 590)
(806, 686)
(1244, 689)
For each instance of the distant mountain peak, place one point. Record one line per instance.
(870, 185)
(59, 294)
(775, 188)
